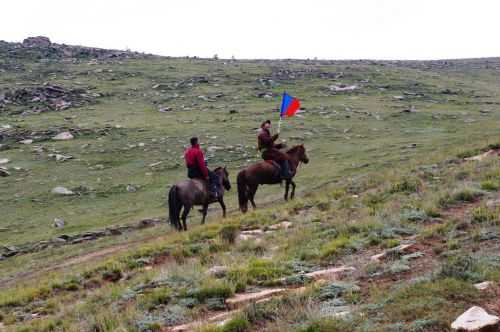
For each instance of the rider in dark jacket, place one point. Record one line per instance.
(197, 167)
(270, 150)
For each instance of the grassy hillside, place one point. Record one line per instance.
(386, 168)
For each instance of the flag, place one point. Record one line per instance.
(289, 105)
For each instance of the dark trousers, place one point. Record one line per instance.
(213, 179)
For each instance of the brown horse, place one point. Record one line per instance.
(266, 172)
(188, 193)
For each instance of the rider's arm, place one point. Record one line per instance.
(201, 164)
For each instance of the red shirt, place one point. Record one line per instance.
(194, 158)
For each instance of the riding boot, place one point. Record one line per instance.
(285, 170)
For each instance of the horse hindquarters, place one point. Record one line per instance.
(242, 191)
(174, 208)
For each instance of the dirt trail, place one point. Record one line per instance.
(105, 252)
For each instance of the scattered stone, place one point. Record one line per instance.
(165, 109)
(4, 161)
(26, 141)
(483, 285)
(60, 157)
(59, 223)
(343, 87)
(331, 274)
(475, 319)
(131, 188)
(62, 191)
(63, 136)
(3, 172)
(483, 156)
(493, 203)
(281, 225)
(241, 299)
(411, 109)
(218, 271)
(397, 251)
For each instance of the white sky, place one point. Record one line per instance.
(347, 29)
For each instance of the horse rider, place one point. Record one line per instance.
(197, 167)
(271, 150)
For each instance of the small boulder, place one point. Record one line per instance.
(62, 191)
(475, 319)
(483, 285)
(64, 136)
(4, 161)
(3, 172)
(59, 223)
(26, 141)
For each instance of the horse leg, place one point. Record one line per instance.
(204, 211)
(287, 188)
(223, 206)
(292, 195)
(185, 213)
(251, 195)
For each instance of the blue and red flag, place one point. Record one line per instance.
(289, 105)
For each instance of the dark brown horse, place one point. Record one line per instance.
(266, 172)
(189, 193)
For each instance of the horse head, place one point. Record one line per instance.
(224, 176)
(300, 152)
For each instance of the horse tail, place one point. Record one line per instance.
(242, 191)
(174, 207)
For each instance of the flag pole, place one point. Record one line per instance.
(281, 116)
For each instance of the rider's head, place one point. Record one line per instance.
(266, 124)
(194, 141)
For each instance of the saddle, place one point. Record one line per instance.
(274, 163)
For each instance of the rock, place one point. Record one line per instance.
(483, 285)
(397, 251)
(240, 299)
(165, 109)
(483, 156)
(59, 223)
(4, 161)
(66, 135)
(475, 319)
(217, 271)
(26, 141)
(131, 188)
(411, 109)
(281, 225)
(62, 191)
(3, 172)
(60, 157)
(493, 203)
(330, 274)
(343, 87)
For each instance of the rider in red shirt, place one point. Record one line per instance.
(197, 168)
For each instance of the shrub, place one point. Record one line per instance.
(237, 324)
(490, 185)
(484, 214)
(414, 215)
(390, 243)
(466, 195)
(459, 267)
(406, 185)
(214, 288)
(264, 270)
(228, 233)
(337, 246)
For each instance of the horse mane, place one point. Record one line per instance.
(294, 149)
